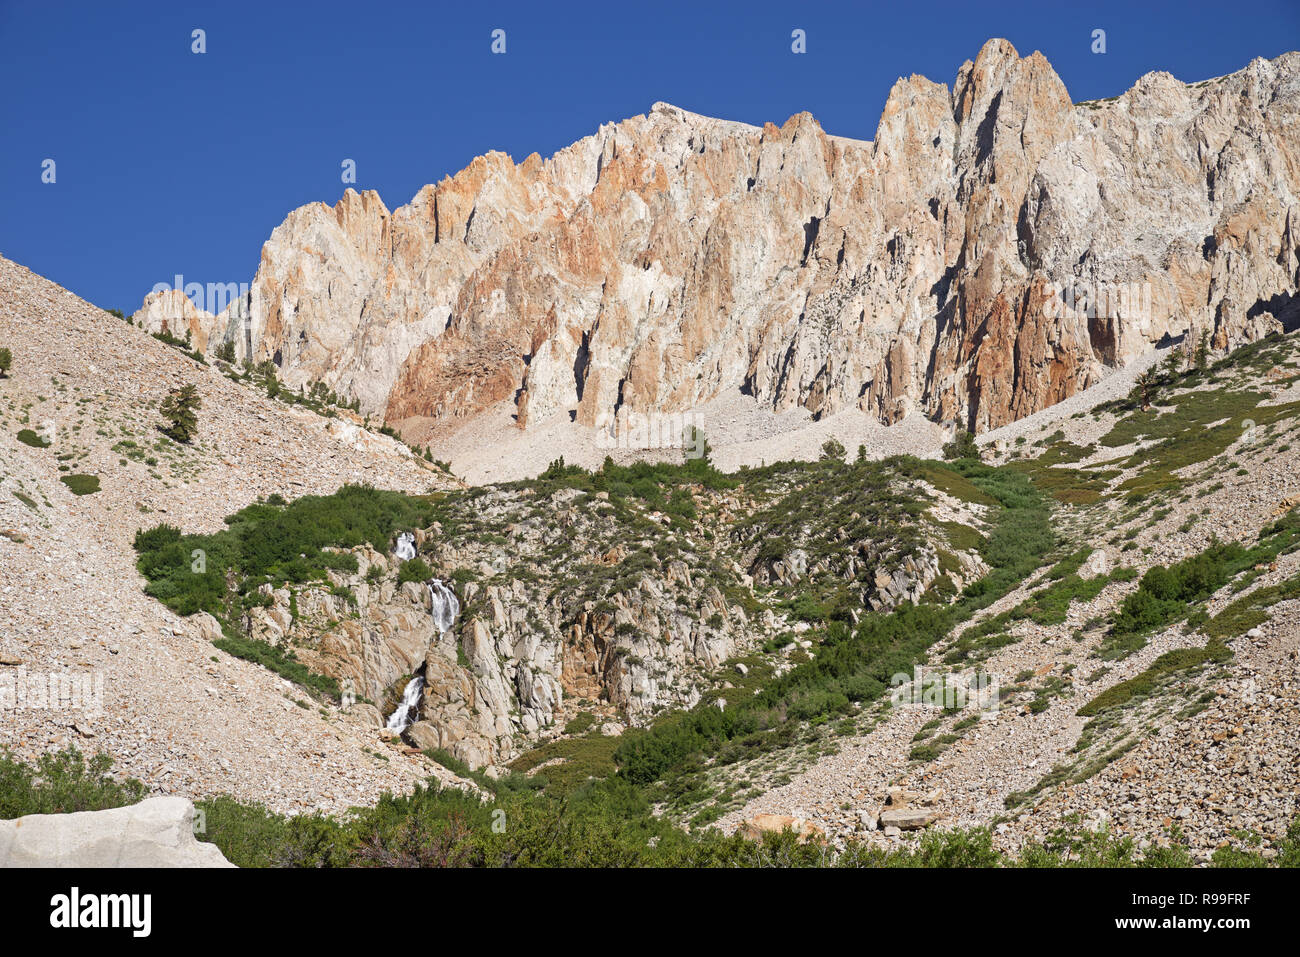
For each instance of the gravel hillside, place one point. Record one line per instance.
(177, 713)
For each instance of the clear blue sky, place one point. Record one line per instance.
(170, 162)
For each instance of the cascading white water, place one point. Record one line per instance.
(404, 716)
(406, 546)
(445, 605)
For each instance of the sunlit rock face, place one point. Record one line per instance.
(994, 250)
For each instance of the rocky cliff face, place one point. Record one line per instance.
(993, 251)
(580, 598)
(172, 312)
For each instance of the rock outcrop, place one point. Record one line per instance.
(642, 637)
(172, 312)
(995, 250)
(761, 825)
(157, 832)
(577, 601)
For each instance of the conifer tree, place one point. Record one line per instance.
(180, 409)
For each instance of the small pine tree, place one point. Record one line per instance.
(1145, 389)
(226, 352)
(832, 449)
(6, 361)
(1202, 357)
(180, 409)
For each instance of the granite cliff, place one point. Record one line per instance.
(996, 249)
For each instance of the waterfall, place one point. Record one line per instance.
(404, 716)
(445, 605)
(406, 546)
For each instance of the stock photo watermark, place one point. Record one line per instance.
(1099, 300)
(21, 690)
(639, 431)
(933, 690)
(214, 297)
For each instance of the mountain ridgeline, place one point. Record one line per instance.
(995, 249)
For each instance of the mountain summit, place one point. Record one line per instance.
(996, 249)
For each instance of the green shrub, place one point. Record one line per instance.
(1165, 595)
(414, 570)
(962, 446)
(28, 437)
(580, 724)
(281, 662)
(81, 484)
(275, 543)
(1179, 661)
(62, 782)
(833, 449)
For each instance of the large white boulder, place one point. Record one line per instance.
(157, 832)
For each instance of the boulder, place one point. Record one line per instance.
(908, 819)
(897, 797)
(367, 714)
(157, 832)
(425, 735)
(763, 824)
(208, 627)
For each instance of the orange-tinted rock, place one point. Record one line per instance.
(671, 258)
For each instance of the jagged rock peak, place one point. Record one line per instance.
(671, 258)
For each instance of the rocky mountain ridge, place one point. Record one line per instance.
(993, 251)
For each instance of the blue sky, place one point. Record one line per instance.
(172, 162)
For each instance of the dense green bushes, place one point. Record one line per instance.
(1178, 662)
(62, 782)
(270, 543)
(659, 486)
(1021, 535)
(414, 570)
(1166, 596)
(962, 446)
(278, 660)
(1164, 593)
(1248, 611)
